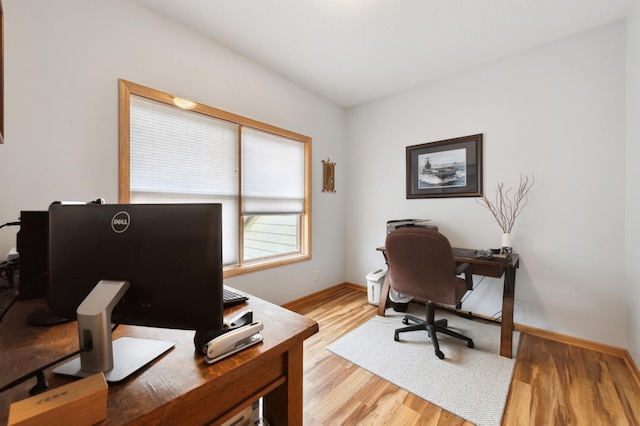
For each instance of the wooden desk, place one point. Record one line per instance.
(179, 387)
(488, 268)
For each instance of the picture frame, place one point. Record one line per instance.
(447, 168)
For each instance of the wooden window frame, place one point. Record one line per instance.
(127, 88)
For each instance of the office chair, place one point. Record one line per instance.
(421, 265)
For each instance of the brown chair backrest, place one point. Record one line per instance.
(421, 265)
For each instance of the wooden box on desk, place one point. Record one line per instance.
(83, 402)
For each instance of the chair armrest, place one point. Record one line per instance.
(465, 268)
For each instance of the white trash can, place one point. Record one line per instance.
(375, 279)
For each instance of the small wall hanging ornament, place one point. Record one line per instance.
(328, 176)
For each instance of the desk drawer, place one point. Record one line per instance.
(487, 270)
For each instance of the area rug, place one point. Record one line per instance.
(470, 383)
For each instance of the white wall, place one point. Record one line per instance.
(556, 112)
(63, 60)
(633, 177)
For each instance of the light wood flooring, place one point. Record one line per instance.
(553, 384)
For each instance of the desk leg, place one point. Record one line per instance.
(384, 296)
(283, 405)
(506, 332)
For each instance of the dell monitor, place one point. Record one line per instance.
(163, 261)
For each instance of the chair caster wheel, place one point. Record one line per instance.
(405, 321)
(440, 355)
(445, 322)
(396, 338)
(470, 344)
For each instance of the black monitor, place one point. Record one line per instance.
(169, 255)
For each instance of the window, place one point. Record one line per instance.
(178, 151)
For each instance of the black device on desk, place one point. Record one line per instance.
(31, 243)
(488, 254)
(407, 223)
(464, 252)
(169, 254)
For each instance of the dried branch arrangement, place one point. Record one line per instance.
(507, 205)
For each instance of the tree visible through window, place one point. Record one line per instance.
(194, 153)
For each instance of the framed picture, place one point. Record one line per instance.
(448, 168)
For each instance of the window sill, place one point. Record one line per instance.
(231, 271)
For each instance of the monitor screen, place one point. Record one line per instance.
(170, 254)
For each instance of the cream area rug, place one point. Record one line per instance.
(470, 383)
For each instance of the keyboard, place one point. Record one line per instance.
(463, 252)
(231, 298)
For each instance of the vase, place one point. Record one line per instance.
(507, 248)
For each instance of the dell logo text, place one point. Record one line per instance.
(120, 222)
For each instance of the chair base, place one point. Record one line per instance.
(432, 327)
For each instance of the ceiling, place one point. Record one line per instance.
(354, 51)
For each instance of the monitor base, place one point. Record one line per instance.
(43, 317)
(129, 355)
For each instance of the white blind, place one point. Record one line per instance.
(273, 174)
(180, 156)
(174, 151)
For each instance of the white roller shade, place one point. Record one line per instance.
(273, 174)
(181, 152)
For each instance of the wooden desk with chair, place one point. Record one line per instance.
(495, 268)
(179, 387)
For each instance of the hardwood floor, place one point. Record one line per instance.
(553, 384)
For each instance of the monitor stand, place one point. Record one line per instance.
(116, 359)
